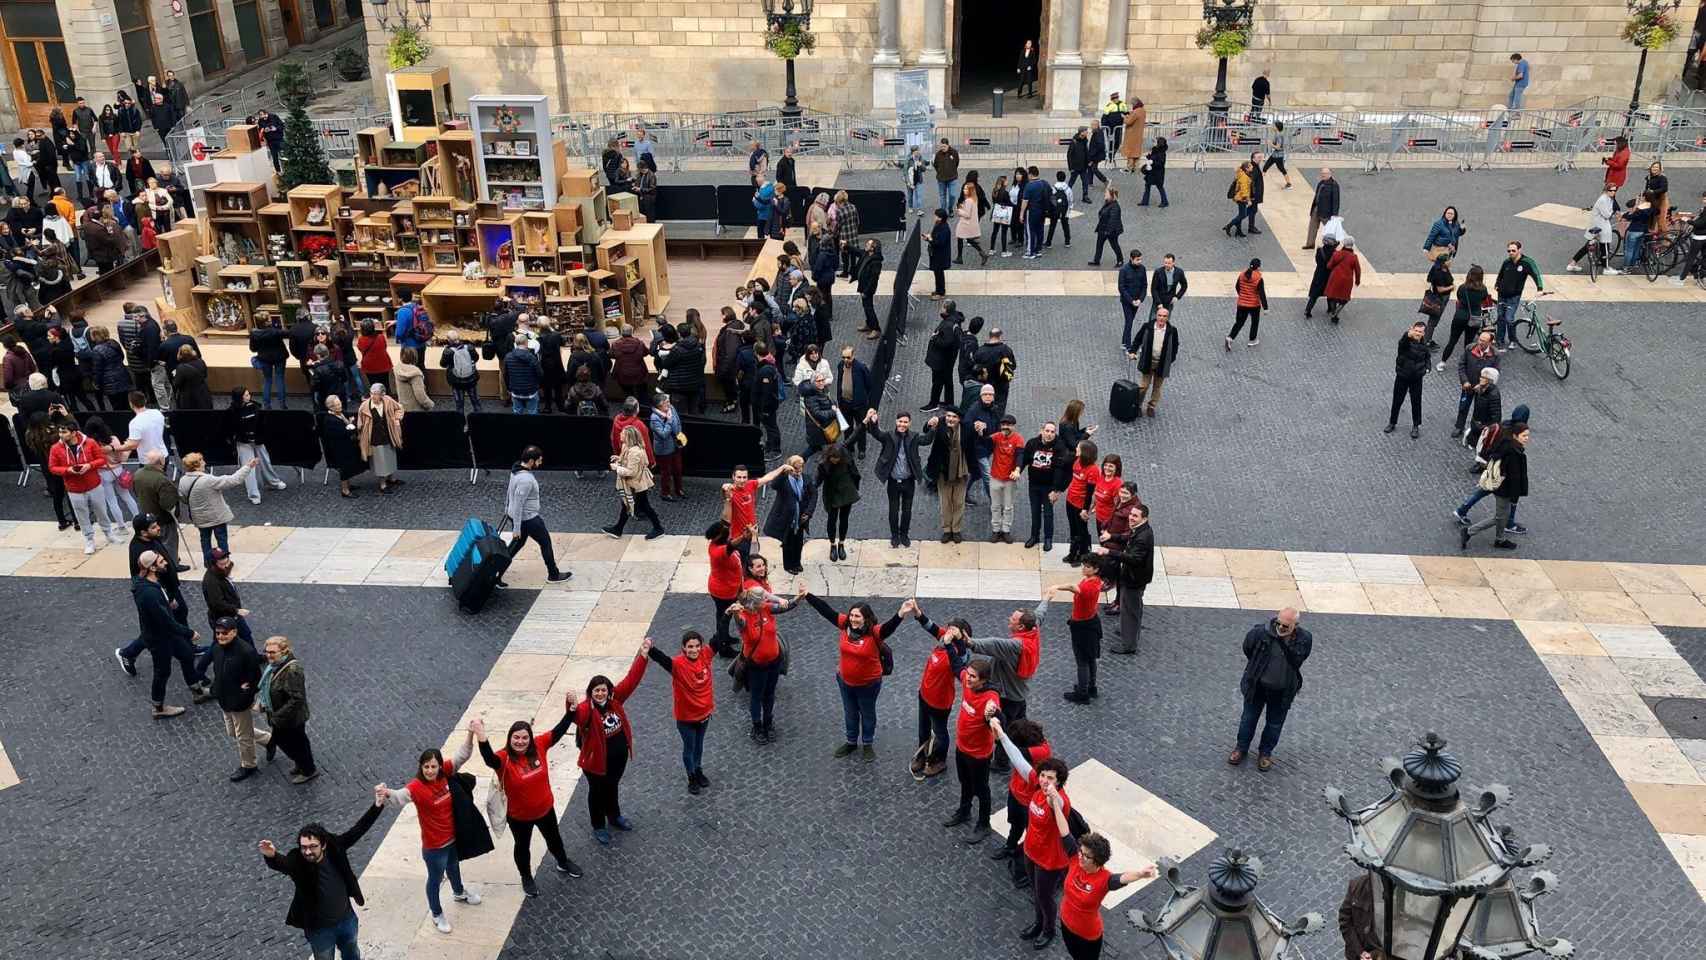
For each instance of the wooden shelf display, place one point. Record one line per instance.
(514, 152)
(420, 100)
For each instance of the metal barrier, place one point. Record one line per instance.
(1451, 137)
(337, 135)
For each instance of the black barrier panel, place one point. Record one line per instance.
(692, 202)
(21, 429)
(434, 440)
(895, 328)
(715, 447)
(203, 432)
(10, 456)
(292, 438)
(734, 206)
(904, 271)
(880, 211)
(569, 443)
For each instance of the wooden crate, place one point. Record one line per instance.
(243, 138)
(175, 287)
(236, 200)
(310, 195)
(178, 249)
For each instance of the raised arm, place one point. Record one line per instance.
(781, 468)
(1015, 756)
(662, 659)
(824, 609)
(626, 686)
(477, 728)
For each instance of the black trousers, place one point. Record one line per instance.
(534, 529)
(941, 386)
(1400, 387)
(772, 430)
(642, 508)
(900, 506)
(1079, 528)
(855, 414)
(793, 545)
(1077, 947)
(1252, 314)
(838, 522)
(721, 640)
(973, 773)
(1018, 818)
(523, 830)
(1042, 511)
(293, 740)
(941, 282)
(1065, 230)
(870, 305)
(1086, 650)
(1113, 244)
(933, 726)
(603, 797)
(1045, 894)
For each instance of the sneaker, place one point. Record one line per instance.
(601, 835)
(470, 897)
(558, 577)
(1009, 253)
(242, 773)
(868, 753)
(1505, 544)
(1439, 366)
(88, 547)
(1516, 528)
(255, 500)
(163, 712)
(124, 663)
(442, 922)
(1459, 517)
(300, 778)
(623, 824)
(655, 533)
(201, 692)
(276, 484)
(845, 749)
(529, 887)
(612, 533)
(1613, 272)
(570, 869)
(1252, 343)
(1573, 268)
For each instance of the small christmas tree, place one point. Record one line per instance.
(303, 160)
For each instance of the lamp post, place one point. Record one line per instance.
(1225, 15)
(1644, 16)
(419, 20)
(1438, 867)
(1225, 921)
(794, 16)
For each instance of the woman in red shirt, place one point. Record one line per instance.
(1027, 736)
(1045, 862)
(936, 695)
(1088, 882)
(1252, 300)
(1078, 492)
(860, 672)
(375, 355)
(606, 741)
(526, 781)
(1107, 490)
(973, 746)
(429, 791)
(724, 582)
(1617, 165)
(1085, 627)
(755, 616)
(694, 701)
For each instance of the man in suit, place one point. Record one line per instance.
(899, 469)
(1133, 287)
(1156, 348)
(796, 494)
(1136, 572)
(1167, 287)
(953, 467)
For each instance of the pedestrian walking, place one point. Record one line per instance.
(1133, 285)
(1155, 172)
(235, 672)
(1274, 653)
(1252, 299)
(1167, 286)
(166, 638)
(325, 884)
(941, 252)
(1108, 226)
(1506, 477)
(1239, 191)
(968, 225)
(669, 446)
(1156, 349)
(218, 593)
(1617, 164)
(953, 466)
(525, 779)
(521, 507)
(1411, 367)
(1444, 236)
(432, 795)
(1436, 295)
(1472, 301)
(864, 661)
(1489, 443)
(1323, 206)
(283, 698)
(1344, 275)
(1279, 140)
(1482, 356)
(946, 163)
(870, 275)
(633, 485)
(1323, 272)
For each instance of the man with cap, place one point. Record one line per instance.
(150, 537)
(236, 677)
(166, 638)
(220, 596)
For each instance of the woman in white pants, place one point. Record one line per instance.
(115, 492)
(243, 427)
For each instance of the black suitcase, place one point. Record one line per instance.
(1122, 400)
(478, 560)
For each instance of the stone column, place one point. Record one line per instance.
(887, 58)
(1066, 66)
(934, 56)
(1116, 61)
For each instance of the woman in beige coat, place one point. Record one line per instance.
(633, 484)
(411, 382)
(379, 429)
(1131, 146)
(968, 224)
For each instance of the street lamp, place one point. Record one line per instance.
(1221, 15)
(1224, 922)
(420, 21)
(1651, 25)
(1436, 859)
(791, 24)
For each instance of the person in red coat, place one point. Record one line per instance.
(694, 700)
(1617, 165)
(77, 461)
(1344, 273)
(606, 742)
(526, 779)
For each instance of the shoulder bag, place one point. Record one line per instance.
(1493, 477)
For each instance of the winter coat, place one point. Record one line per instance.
(1077, 154)
(1443, 233)
(205, 495)
(966, 224)
(1412, 361)
(189, 386)
(937, 439)
(411, 388)
(633, 472)
(1146, 350)
(1156, 175)
(941, 247)
(304, 903)
(1098, 150)
(944, 344)
(870, 274)
(1472, 362)
(1241, 185)
(521, 372)
(727, 349)
(1326, 201)
(1513, 465)
(686, 366)
(1323, 258)
(393, 424)
(787, 513)
(1345, 274)
(1260, 644)
(1108, 223)
(1131, 143)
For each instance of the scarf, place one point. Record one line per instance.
(264, 696)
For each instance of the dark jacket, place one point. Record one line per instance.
(1260, 644)
(870, 272)
(189, 386)
(447, 360)
(1078, 154)
(154, 615)
(725, 352)
(1137, 562)
(1108, 223)
(1133, 282)
(995, 363)
(764, 386)
(939, 451)
(270, 344)
(893, 443)
(628, 360)
(1487, 406)
(301, 338)
(784, 509)
(1156, 175)
(1098, 145)
(1356, 919)
(140, 337)
(824, 263)
(1145, 349)
(1323, 272)
(1412, 363)
(220, 596)
(1059, 457)
(1163, 294)
(686, 365)
(941, 246)
(1513, 275)
(1258, 189)
(1326, 201)
(819, 411)
(861, 374)
(236, 675)
(473, 837)
(944, 345)
(521, 372)
(1513, 464)
(551, 359)
(1469, 366)
(304, 904)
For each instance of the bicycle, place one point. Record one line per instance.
(1600, 252)
(1535, 333)
(1660, 254)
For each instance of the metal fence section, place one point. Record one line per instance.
(1452, 138)
(337, 135)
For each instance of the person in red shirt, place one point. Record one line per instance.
(740, 506)
(606, 742)
(77, 460)
(860, 672)
(1088, 882)
(526, 779)
(1028, 738)
(694, 700)
(754, 614)
(1078, 492)
(1004, 472)
(1085, 626)
(1045, 861)
(724, 583)
(936, 695)
(375, 356)
(429, 791)
(973, 746)
(1107, 491)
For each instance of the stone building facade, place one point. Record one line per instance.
(708, 55)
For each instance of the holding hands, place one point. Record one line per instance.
(381, 793)
(477, 727)
(645, 646)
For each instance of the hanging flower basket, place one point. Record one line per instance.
(1650, 30)
(1224, 41)
(407, 47)
(788, 42)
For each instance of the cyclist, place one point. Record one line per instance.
(1695, 265)
(1638, 220)
(1594, 237)
(1514, 272)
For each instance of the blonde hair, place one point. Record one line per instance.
(282, 641)
(186, 352)
(194, 462)
(631, 438)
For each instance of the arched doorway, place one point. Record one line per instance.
(988, 38)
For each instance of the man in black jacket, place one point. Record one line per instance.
(1167, 286)
(1155, 349)
(1078, 162)
(898, 468)
(220, 596)
(870, 273)
(272, 133)
(941, 353)
(165, 637)
(1136, 571)
(301, 337)
(151, 535)
(139, 335)
(685, 367)
(325, 883)
(996, 365)
(952, 468)
(764, 393)
(1273, 673)
(1411, 367)
(1257, 192)
(236, 675)
(271, 347)
(852, 392)
(1133, 280)
(1323, 207)
(1048, 466)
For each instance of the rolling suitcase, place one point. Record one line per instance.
(1123, 400)
(475, 563)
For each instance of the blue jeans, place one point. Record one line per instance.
(1514, 101)
(692, 742)
(518, 404)
(1477, 497)
(438, 863)
(269, 373)
(948, 194)
(208, 535)
(1275, 704)
(1507, 319)
(859, 710)
(1632, 247)
(1144, 202)
(761, 685)
(915, 196)
(342, 938)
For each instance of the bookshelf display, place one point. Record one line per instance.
(514, 153)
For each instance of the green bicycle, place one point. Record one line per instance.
(1536, 333)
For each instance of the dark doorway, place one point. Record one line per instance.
(988, 38)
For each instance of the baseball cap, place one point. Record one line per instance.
(225, 623)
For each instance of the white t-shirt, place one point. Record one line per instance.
(148, 429)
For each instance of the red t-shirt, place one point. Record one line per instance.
(724, 583)
(936, 687)
(972, 730)
(861, 663)
(743, 507)
(1042, 834)
(1006, 456)
(1107, 494)
(690, 680)
(1081, 899)
(1021, 787)
(1030, 652)
(758, 636)
(528, 785)
(1084, 597)
(1083, 479)
(432, 806)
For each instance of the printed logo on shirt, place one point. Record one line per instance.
(1042, 459)
(612, 723)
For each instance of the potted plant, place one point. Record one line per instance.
(1650, 25)
(349, 64)
(1224, 41)
(790, 40)
(318, 247)
(408, 47)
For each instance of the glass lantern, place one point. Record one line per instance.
(1225, 921)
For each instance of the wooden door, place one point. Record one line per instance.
(36, 62)
(292, 22)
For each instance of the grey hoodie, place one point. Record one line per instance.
(521, 502)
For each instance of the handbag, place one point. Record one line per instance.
(1491, 478)
(1432, 305)
(1002, 214)
(831, 430)
(783, 660)
(737, 673)
(497, 809)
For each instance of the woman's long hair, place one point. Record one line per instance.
(1255, 264)
(1086, 453)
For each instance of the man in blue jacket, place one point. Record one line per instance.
(1133, 287)
(853, 394)
(166, 638)
(1273, 673)
(1034, 204)
(410, 330)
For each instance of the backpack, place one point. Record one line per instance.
(1493, 477)
(586, 408)
(462, 363)
(422, 327)
(1062, 201)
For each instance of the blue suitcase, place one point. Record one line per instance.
(475, 563)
